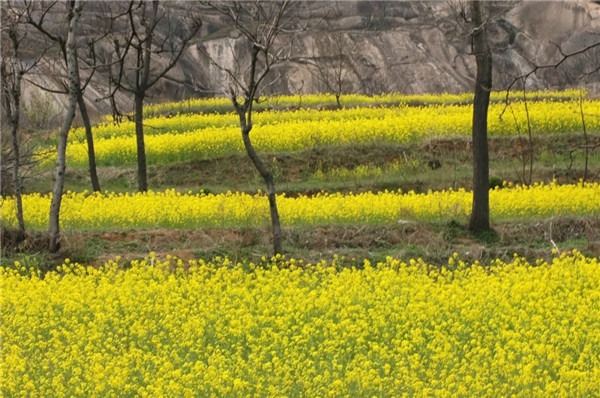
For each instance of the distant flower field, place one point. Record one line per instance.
(285, 328)
(186, 122)
(189, 137)
(223, 105)
(171, 209)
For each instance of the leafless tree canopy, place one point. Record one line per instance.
(133, 42)
(266, 31)
(19, 58)
(130, 59)
(332, 63)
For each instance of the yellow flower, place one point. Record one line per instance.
(388, 329)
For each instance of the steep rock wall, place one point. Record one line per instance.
(408, 47)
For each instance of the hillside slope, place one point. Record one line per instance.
(408, 47)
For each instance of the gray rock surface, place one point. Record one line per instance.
(393, 46)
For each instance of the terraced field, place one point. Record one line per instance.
(382, 292)
(193, 137)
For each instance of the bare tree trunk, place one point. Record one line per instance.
(264, 19)
(90, 141)
(13, 109)
(529, 141)
(17, 183)
(144, 56)
(16, 165)
(141, 147)
(268, 178)
(585, 135)
(480, 214)
(11, 100)
(73, 70)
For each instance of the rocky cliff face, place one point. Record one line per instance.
(388, 46)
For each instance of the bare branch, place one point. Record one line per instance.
(564, 57)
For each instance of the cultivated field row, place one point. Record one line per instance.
(170, 209)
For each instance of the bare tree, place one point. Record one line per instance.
(332, 64)
(480, 212)
(581, 65)
(132, 70)
(36, 17)
(474, 18)
(74, 13)
(12, 69)
(528, 152)
(588, 147)
(261, 26)
(586, 59)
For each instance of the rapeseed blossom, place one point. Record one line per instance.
(285, 328)
(171, 209)
(223, 105)
(196, 137)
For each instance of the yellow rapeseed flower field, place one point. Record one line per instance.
(195, 121)
(284, 328)
(194, 137)
(171, 209)
(209, 105)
